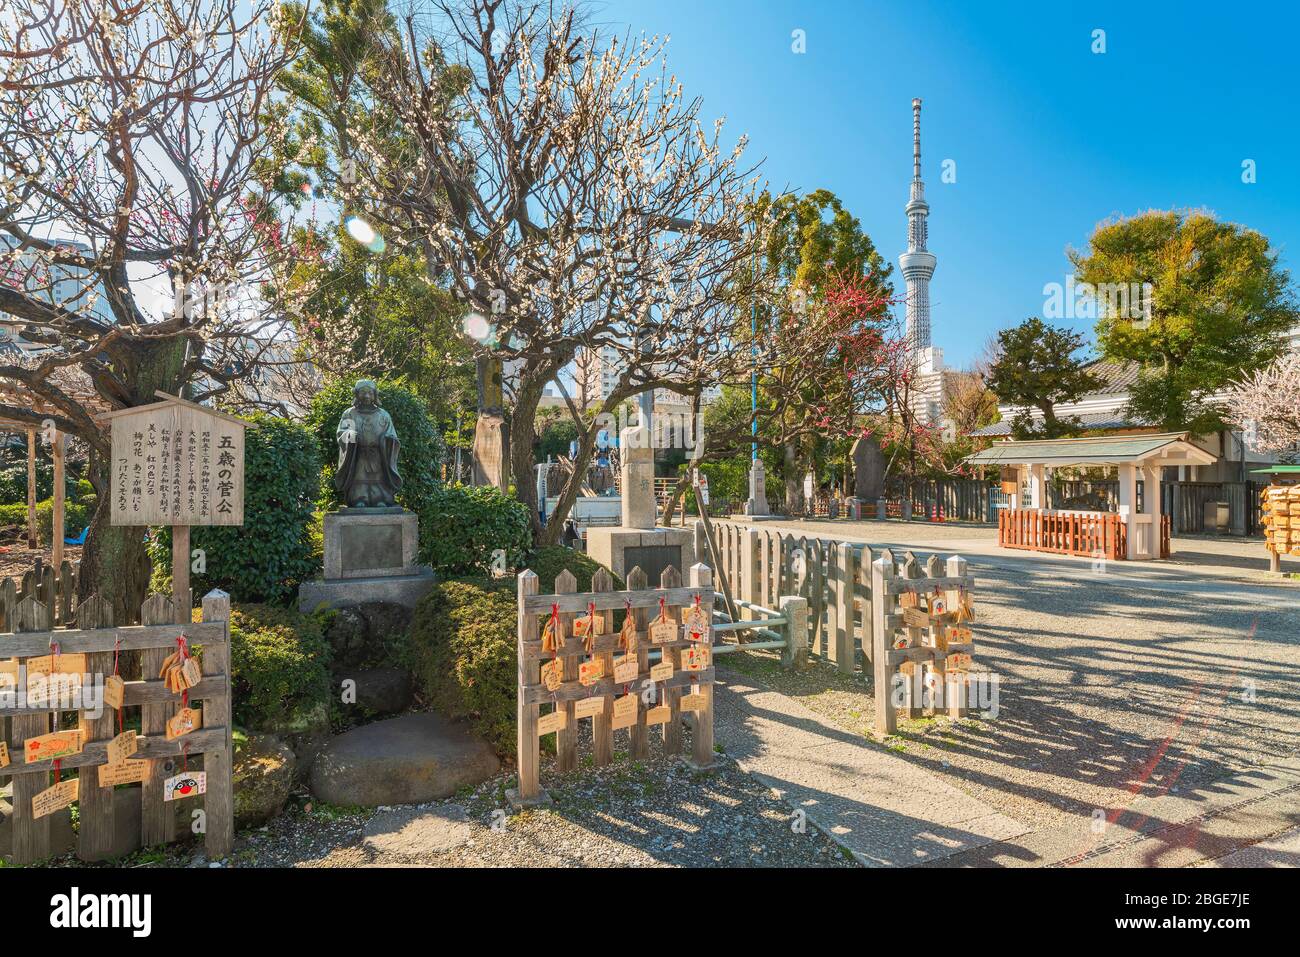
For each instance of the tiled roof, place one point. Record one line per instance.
(1118, 376)
(1109, 449)
(1090, 420)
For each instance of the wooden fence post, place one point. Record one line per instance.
(844, 629)
(958, 707)
(571, 650)
(702, 722)
(750, 574)
(636, 581)
(795, 611)
(157, 818)
(862, 589)
(882, 607)
(218, 765)
(57, 530)
(30, 837)
(529, 790)
(95, 804)
(672, 578)
(602, 728)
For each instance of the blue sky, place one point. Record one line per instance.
(1048, 137)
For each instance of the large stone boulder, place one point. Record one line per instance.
(359, 635)
(383, 690)
(263, 778)
(347, 637)
(405, 760)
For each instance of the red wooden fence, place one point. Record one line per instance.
(1070, 533)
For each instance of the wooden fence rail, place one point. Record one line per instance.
(1099, 535)
(31, 635)
(585, 685)
(764, 565)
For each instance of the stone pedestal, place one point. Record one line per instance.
(651, 549)
(369, 556)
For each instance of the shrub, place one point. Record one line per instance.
(462, 525)
(550, 560)
(266, 558)
(279, 664)
(463, 645)
(420, 453)
(76, 516)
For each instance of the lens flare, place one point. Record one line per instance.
(477, 327)
(364, 233)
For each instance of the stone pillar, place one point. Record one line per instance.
(1128, 505)
(1037, 487)
(638, 467)
(1153, 505)
(491, 456)
(757, 504)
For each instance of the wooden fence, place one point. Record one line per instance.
(762, 565)
(585, 686)
(1071, 533)
(53, 587)
(1185, 503)
(27, 633)
(924, 646)
(966, 500)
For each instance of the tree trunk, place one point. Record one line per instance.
(114, 563)
(523, 433)
(790, 466)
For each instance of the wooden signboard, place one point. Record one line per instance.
(625, 711)
(179, 464)
(176, 463)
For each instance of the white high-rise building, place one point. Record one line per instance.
(917, 265)
(596, 374)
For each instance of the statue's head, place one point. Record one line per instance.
(365, 394)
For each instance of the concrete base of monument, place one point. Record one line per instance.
(405, 589)
(650, 549)
(370, 543)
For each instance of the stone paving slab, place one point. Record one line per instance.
(883, 810)
(1167, 830)
(1280, 851)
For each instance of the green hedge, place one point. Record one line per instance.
(266, 558)
(420, 454)
(463, 644)
(76, 516)
(279, 664)
(462, 525)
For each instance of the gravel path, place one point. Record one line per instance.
(656, 813)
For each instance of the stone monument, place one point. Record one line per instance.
(868, 469)
(638, 542)
(370, 543)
